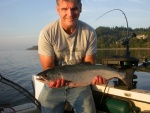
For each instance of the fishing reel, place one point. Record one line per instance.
(125, 42)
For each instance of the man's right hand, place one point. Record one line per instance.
(57, 83)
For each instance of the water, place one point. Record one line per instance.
(141, 54)
(19, 66)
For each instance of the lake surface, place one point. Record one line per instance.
(141, 54)
(19, 66)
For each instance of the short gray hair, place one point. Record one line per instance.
(57, 1)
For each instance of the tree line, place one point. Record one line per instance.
(110, 37)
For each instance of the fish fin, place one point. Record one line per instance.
(129, 77)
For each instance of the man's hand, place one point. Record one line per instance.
(98, 80)
(58, 83)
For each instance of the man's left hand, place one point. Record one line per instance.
(98, 80)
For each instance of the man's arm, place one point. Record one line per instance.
(47, 62)
(90, 59)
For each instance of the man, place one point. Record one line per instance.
(67, 41)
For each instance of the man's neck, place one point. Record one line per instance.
(69, 29)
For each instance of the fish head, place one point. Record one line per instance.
(49, 75)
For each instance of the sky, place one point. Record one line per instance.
(22, 20)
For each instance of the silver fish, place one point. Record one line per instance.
(83, 74)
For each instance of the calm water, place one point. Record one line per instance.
(140, 54)
(19, 66)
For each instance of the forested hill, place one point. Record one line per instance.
(110, 37)
(33, 48)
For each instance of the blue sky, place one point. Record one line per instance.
(22, 20)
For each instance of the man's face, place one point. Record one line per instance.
(69, 12)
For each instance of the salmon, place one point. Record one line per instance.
(83, 74)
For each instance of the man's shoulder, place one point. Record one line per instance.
(85, 25)
(51, 26)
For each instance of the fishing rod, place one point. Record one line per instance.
(123, 14)
(125, 40)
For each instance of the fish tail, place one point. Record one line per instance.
(128, 80)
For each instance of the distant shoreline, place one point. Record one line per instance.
(122, 48)
(36, 48)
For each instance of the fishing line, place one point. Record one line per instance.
(120, 11)
(104, 92)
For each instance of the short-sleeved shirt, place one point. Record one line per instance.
(67, 49)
